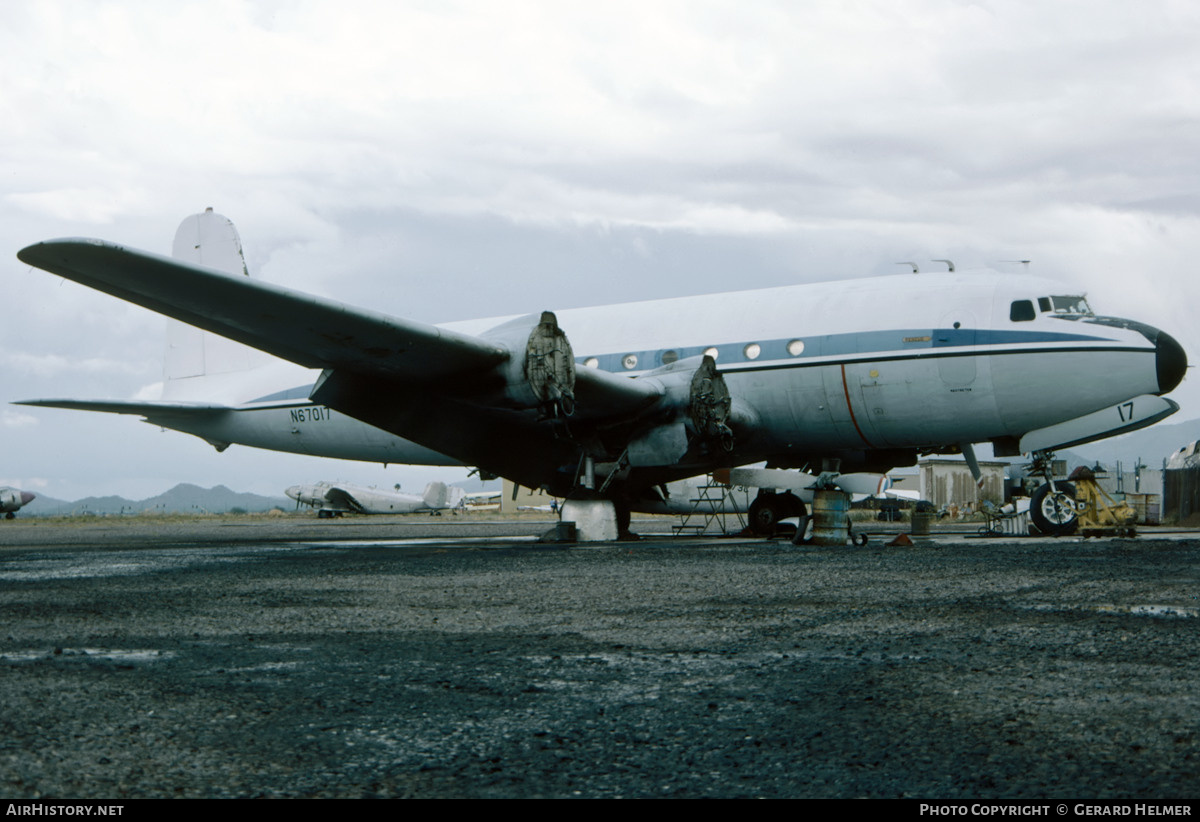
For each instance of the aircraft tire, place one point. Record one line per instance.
(768, 509)
(1051, 517)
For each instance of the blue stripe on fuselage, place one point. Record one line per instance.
(890, 344)
(879, 345)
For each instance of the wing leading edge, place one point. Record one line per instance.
(310, 331)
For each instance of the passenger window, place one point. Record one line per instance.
(1022, 311)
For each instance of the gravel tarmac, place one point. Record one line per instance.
(399, 658)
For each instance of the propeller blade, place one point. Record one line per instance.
(872, 485)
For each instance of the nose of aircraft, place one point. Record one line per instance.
(27, 497)
(1170, 362)
(293, 492)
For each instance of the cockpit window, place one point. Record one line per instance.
(1044, 304)
(1022, 311)
(1071, 305)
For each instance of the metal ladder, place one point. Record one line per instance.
(708, 505)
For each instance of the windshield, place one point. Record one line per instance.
(1071, 305)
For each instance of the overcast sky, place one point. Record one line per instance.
(448, 160)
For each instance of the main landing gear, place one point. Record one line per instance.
(827, 523)
(768, 508)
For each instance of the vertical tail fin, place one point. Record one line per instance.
(439, 495)
(435, 495)
(210, 240)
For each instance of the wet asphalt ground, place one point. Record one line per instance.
(388, 657)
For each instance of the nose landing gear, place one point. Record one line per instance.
(1052, 509)
(1052, 506)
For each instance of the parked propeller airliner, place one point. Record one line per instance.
(615, 401)
(13, 499)
(335, 498)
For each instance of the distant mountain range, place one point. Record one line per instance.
(183, 498)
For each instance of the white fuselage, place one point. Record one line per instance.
(364, 500)
(893, 362)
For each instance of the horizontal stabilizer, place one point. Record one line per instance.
(146, 409)
(310, 331)
(1118, 419)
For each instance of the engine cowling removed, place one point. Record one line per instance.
(710, 404)
(699, 405)
(550, 366)
(540, 370)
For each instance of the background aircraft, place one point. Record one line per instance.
(330, 498)
(869, 373)
(12, 499)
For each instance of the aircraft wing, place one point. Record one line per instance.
(341, 499)
(308, 330)
(510, 400)
(602, 393)
(304, 329)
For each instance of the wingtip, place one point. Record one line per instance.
(31, 254)
(28, 254)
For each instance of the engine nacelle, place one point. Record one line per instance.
(710, 404)
(701, 404)
(540, 370)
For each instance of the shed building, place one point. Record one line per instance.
(1181, 486)
(949, 482)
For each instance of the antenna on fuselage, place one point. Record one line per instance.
(947, 262)
(915, 269)
(1022, 262)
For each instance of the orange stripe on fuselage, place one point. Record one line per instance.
(850, 408)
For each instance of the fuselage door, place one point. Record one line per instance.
(954, 347)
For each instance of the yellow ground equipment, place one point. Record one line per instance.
(1099, 514)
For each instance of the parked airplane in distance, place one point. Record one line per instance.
(731, 489)
(13, 499)
(333, 499)
(868, 372)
